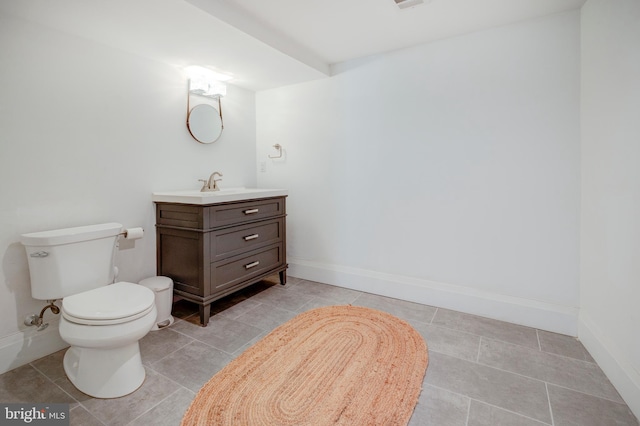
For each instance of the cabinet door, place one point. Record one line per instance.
(181, 258)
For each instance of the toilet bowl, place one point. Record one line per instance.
(103, 327)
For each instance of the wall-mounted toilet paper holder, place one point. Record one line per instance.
(132, 233)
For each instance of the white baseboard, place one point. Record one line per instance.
(532, 313)
(24, 346)
(618, 368)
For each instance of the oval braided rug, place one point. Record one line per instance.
(345, 365)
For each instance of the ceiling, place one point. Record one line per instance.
(266, 44)
(339, 30)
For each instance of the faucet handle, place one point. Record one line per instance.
(204, 184)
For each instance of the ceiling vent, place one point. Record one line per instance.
(403, 4)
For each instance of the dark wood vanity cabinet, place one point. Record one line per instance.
(211, 251)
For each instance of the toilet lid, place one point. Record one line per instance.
(119, 301)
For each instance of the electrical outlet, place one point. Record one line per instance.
(263, 166)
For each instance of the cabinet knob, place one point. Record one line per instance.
(251, 211)
(251, 237)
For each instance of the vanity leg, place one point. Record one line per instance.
(283, 277)
(205, 312)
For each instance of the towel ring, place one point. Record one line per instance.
(278, 147)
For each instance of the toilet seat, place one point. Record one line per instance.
(112, 304)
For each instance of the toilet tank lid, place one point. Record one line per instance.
(71, 235)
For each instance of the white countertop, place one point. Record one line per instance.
(194, 196)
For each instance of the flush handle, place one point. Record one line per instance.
(251, 211)
(40, 254)
(252, 264)
(251, 237)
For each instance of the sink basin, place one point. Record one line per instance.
(194, 196)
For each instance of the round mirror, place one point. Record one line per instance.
(204, 123)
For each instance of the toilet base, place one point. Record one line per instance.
(105, 373)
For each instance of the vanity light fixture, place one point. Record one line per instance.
(207, 73)
(208, 88)
(206, 82)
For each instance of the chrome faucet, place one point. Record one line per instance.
(211, 184)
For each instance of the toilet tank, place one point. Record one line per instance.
(67, 261)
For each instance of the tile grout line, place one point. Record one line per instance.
(195, 339)
(545, 353)
(538, 337)
(181, 347)
(479, 348)
(224, 313)
(546, 387)
(537, 380)
(258, 304)
(158, 404)
(434, 316)
(476, 334)
(623, 402)
(357, 297)
(487, 403)
(256, 307)
(504, 371)
(482, 335)
(172, 381)
(499, 369)
(53, 382)
(509, 411)
(90, 413)
(466, 423)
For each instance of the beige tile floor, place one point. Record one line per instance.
(481, 372)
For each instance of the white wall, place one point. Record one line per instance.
(446, 174)
(87, 133)
(610, 231)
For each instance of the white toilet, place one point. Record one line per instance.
(101, 322)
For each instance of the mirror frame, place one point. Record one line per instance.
(204, 123)
(199, 120)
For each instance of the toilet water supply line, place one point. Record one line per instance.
(35, 319)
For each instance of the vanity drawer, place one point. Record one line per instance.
(240, 239)
(237, 213)
(179, 216)
(230, 272)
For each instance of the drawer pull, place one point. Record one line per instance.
(252, 264)
(251, 237)
(251, 211)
